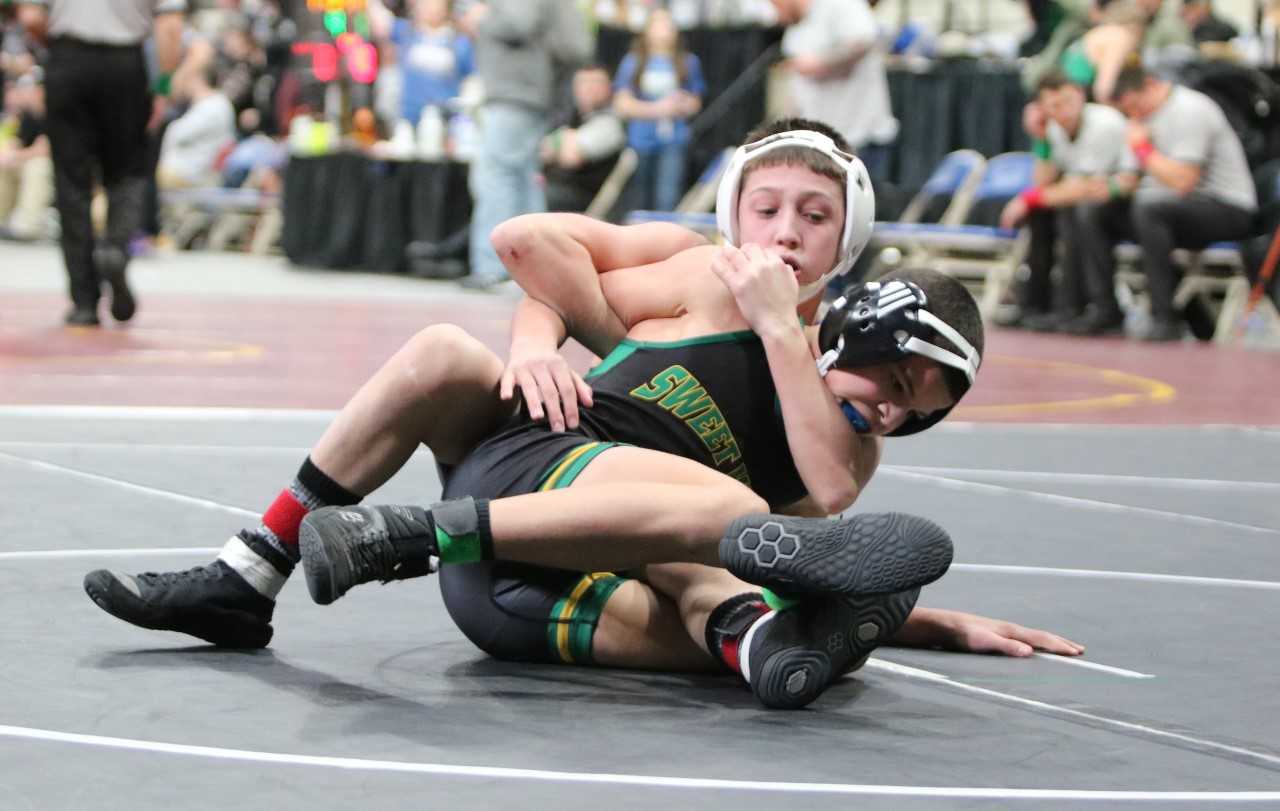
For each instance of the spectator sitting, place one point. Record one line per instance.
(1195, 188)
(26, 170)
(659, 86)
(193, 142)
(578, 156)
(434, 58)
(1078, 143)
(1206, 26)
(258, 160)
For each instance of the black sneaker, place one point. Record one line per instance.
(345, 546)
(1096, 322)
(112, 264)
(1163, 331)
(211, 602)
(794, 657)
(81, 317)
(865, 554)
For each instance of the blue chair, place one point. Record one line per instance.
(947, 194)
(975, 251)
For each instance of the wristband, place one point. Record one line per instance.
(1041, 149)
(1033, 197)
(1143, 152)
(1113, 189)
(161, 84)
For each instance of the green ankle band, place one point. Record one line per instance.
(462, 530)
(775, 602)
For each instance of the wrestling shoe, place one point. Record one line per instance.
(211, 602)
(792, 656)
(865, 554)
(345, 546)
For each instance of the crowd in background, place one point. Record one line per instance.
(546, 130)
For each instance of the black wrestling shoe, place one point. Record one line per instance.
(345, 546)
(796, 655)
(211, 602)
(870, 553)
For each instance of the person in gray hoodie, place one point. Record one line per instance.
(521, 48)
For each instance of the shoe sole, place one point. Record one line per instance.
(867, 554)
(318, 558)
(794, 677)
(226, 629)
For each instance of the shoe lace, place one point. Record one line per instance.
(180, 577)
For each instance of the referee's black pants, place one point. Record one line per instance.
(98, 106)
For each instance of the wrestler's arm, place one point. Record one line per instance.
(558, 258)
(818, 433)
(971, 633)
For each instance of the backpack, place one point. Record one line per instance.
(1249, 98)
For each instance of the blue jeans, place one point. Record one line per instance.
(503, 179)
(876, 158)
(659, 178)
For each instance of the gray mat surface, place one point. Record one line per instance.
(379, 702)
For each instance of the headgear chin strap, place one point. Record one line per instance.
(859, 203)
(883, 322)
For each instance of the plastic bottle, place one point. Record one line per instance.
(431, 132)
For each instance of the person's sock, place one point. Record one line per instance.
(462, 530)
(265, 556)
(730, 624)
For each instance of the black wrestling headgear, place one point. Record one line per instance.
(882, 322)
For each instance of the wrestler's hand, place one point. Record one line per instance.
(551, 390)
(970, 633)
(764, 286)
(976, 634)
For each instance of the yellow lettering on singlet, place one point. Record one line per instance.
(661, 383)
(677, 391)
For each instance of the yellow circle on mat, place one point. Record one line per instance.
(1145, 390)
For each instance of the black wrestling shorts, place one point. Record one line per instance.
(517, 611)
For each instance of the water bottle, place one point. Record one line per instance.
(431, 132)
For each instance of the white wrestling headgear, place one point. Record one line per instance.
(859, 202)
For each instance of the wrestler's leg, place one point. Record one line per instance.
(628, 507)
(438, 390)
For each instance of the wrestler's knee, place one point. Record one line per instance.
(440, 356)
(721, 505)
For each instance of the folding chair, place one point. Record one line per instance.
(946, 195)
(1217, 274)
(983, 255)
